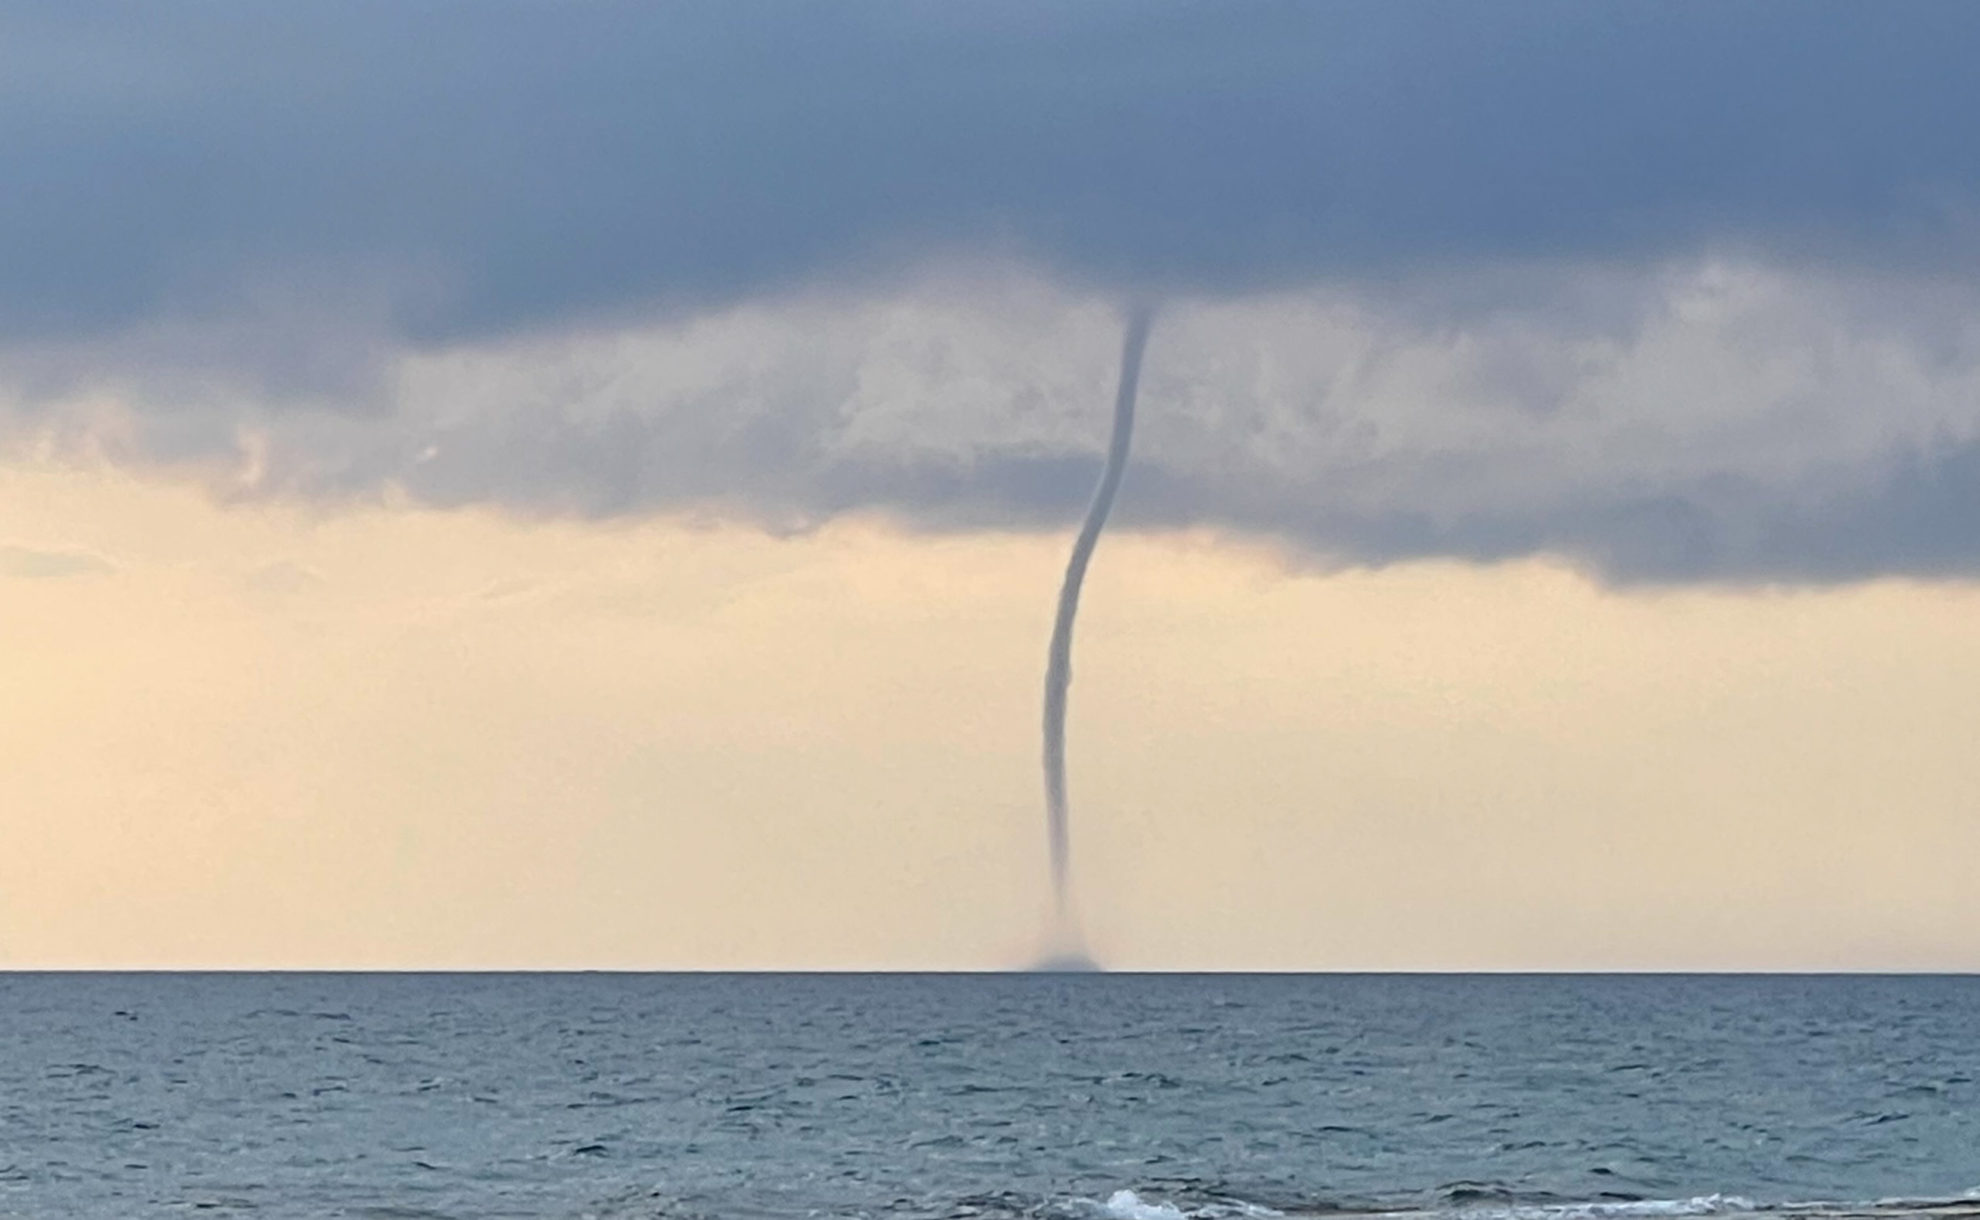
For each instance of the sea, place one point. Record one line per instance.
(1057, 1096)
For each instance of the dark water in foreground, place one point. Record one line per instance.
(910, 1096)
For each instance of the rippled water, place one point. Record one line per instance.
(1134, 1097)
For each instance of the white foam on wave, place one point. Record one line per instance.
(1127, 1205)
(1961, 1204)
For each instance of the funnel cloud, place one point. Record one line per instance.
(1058, 666)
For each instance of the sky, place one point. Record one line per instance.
(508, 485)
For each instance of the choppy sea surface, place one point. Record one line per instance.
(1100, 1097)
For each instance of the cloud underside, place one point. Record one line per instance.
(1707, 419)
(1678, 293)
(467, 169)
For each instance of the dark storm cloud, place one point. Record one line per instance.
(476, 167)
(1679, 291)
(1723, 422)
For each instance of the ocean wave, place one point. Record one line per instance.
(1602, 1209)
(1128, 1205)
(1474, 1201)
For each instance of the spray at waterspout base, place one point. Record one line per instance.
(1065, 951)
(1075, 964)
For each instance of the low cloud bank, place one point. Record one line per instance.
(1703, 419)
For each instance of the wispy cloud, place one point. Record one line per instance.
(42, 563)
(283, 577)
